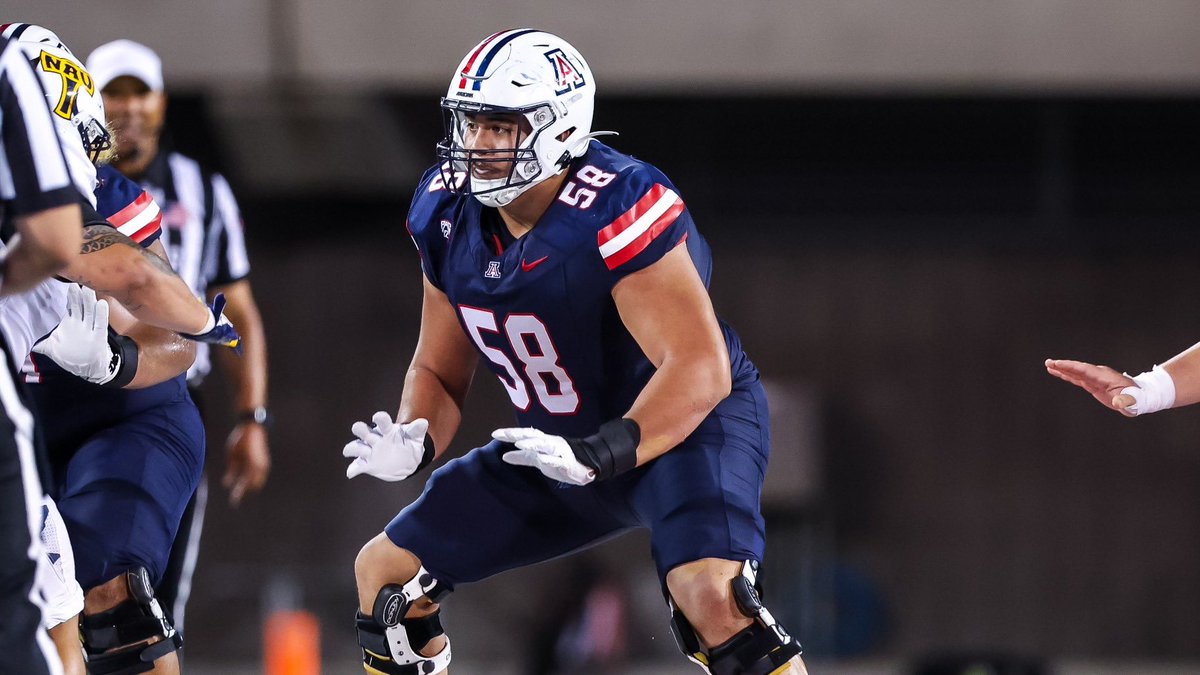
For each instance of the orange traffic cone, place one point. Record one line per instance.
(292, 644)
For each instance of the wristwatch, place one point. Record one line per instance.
(259, 415)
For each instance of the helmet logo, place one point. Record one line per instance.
(566, 75)
(73, 78)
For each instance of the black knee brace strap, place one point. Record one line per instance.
(420, 630)
(111, 638)
(759, 649)
(391, 642)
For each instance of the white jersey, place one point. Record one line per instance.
(30, 316)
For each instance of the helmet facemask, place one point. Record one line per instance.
(523, 165)
(97, 139)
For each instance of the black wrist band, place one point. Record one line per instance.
(125, 358)
(427, 458)
(612, 450)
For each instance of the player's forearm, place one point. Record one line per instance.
(160, 298)
(682, 392)
(1185, 372)
(162, 355)
(112, 264)
(48, 242)
(426, 395)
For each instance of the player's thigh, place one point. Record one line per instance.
(701, 499)
(479, 516)
(125, 490)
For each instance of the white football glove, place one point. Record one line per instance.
(549, 454)
(386, 450)
(79, 344)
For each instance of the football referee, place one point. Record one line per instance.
(39, 200)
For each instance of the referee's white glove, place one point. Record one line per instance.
(387, 450)
(79, 344)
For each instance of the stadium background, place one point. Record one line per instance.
(912, 203)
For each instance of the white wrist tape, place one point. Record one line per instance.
(208, 325)
(1155, 391)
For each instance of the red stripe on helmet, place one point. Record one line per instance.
(462, 83)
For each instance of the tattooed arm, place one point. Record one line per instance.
(112, 264)
(162, 354)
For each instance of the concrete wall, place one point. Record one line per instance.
(768, 46)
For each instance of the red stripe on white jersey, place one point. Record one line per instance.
(139, 220)
(630, 234)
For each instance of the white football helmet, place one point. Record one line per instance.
(529, 73)
(70, 89)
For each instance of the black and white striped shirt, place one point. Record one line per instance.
(202, 229)
(34, 174)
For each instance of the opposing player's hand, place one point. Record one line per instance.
(79, 344)
(551, 455)
(221, 331)
(247, 461)
(386, 450)
(1102, 382)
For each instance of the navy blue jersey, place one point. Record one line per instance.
(70, 408)
(540, 310)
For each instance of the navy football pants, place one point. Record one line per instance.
(479, 516)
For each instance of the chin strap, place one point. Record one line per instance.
(580, 146)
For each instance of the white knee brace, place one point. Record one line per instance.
(390, 642)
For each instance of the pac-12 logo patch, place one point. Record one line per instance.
(446, 225)
(566, 74)
(493, 270)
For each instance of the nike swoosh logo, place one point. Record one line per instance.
(525, 267)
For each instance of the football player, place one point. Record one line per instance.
(578, 275)
(126, 448)
(126, 455)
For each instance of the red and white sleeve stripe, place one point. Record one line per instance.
(139, 220)
(630, 234)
